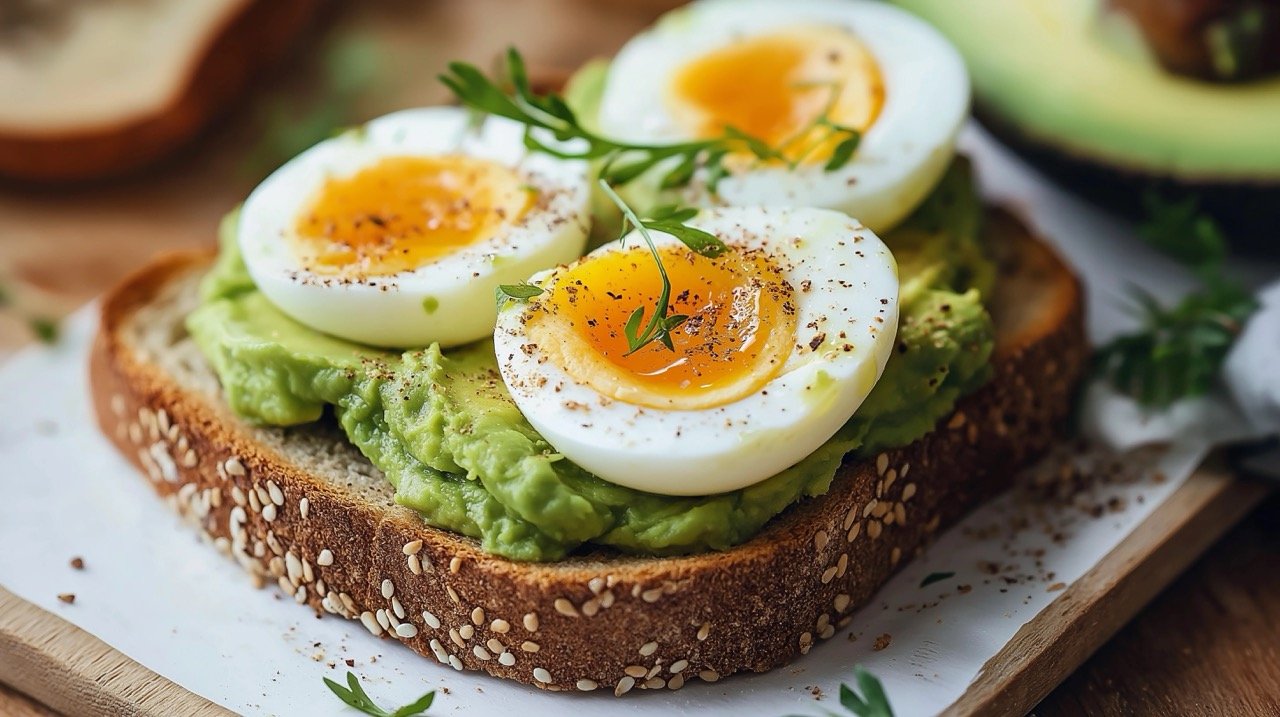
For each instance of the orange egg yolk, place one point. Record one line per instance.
(775, 86)
(405, 212)
(738, 335)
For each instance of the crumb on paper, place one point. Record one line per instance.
(882, 642)
(1056, 587)
(77, 562)
(68, 598)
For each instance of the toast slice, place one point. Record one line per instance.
(81, 99)
(302, 508)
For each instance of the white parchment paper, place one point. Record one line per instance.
(152, 590)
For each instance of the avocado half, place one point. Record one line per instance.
(1071, 85)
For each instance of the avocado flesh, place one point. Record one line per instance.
(442, 428)
(1066, 74)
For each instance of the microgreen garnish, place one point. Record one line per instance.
(511, 96)
(517, 292)
(355, 696)
(932, 578)
(669, 219)
(1179, 350)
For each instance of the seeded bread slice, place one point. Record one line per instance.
(302, 508)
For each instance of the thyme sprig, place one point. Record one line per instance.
(1179, 350)
(354, 696)
(669, 219)
(512, 96)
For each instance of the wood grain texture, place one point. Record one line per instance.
(1050, 647)
(74, 672)
(1208, 645)
(16, 704)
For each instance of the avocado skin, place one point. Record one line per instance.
(1247, 211)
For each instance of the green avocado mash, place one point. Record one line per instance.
(442, 428)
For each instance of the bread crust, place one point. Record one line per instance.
(255, 36)
(603, 620)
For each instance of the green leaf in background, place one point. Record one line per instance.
(351, 68)
(45, 329)
(1178, 351)
(1180, 230)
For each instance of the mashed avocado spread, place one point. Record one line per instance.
(442, 428)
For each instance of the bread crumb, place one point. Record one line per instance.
(882, 642)
(68, 598)
(77, 562)
(1056, 587)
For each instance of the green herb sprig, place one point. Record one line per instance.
(354, 696)
(866, 699)
(872, 702)
(669, 219)
(511, 96)
(1179, 350)
(516, 292)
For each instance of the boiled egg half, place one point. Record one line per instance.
(397, 235)
(787, 332)
(772, 69)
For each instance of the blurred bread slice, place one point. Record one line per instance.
(90, 89)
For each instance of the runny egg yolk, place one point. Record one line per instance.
(405, 212)
(738, 334)
(774, 87)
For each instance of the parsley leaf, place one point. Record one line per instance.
(1179, 350)
(355, 697)
(1180, 230)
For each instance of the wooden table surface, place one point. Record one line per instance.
(1209, 645)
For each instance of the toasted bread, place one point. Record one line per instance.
(302, 508)
(88, 103)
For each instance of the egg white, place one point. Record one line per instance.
(846, 296)
(449, 300)
(901, 156)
